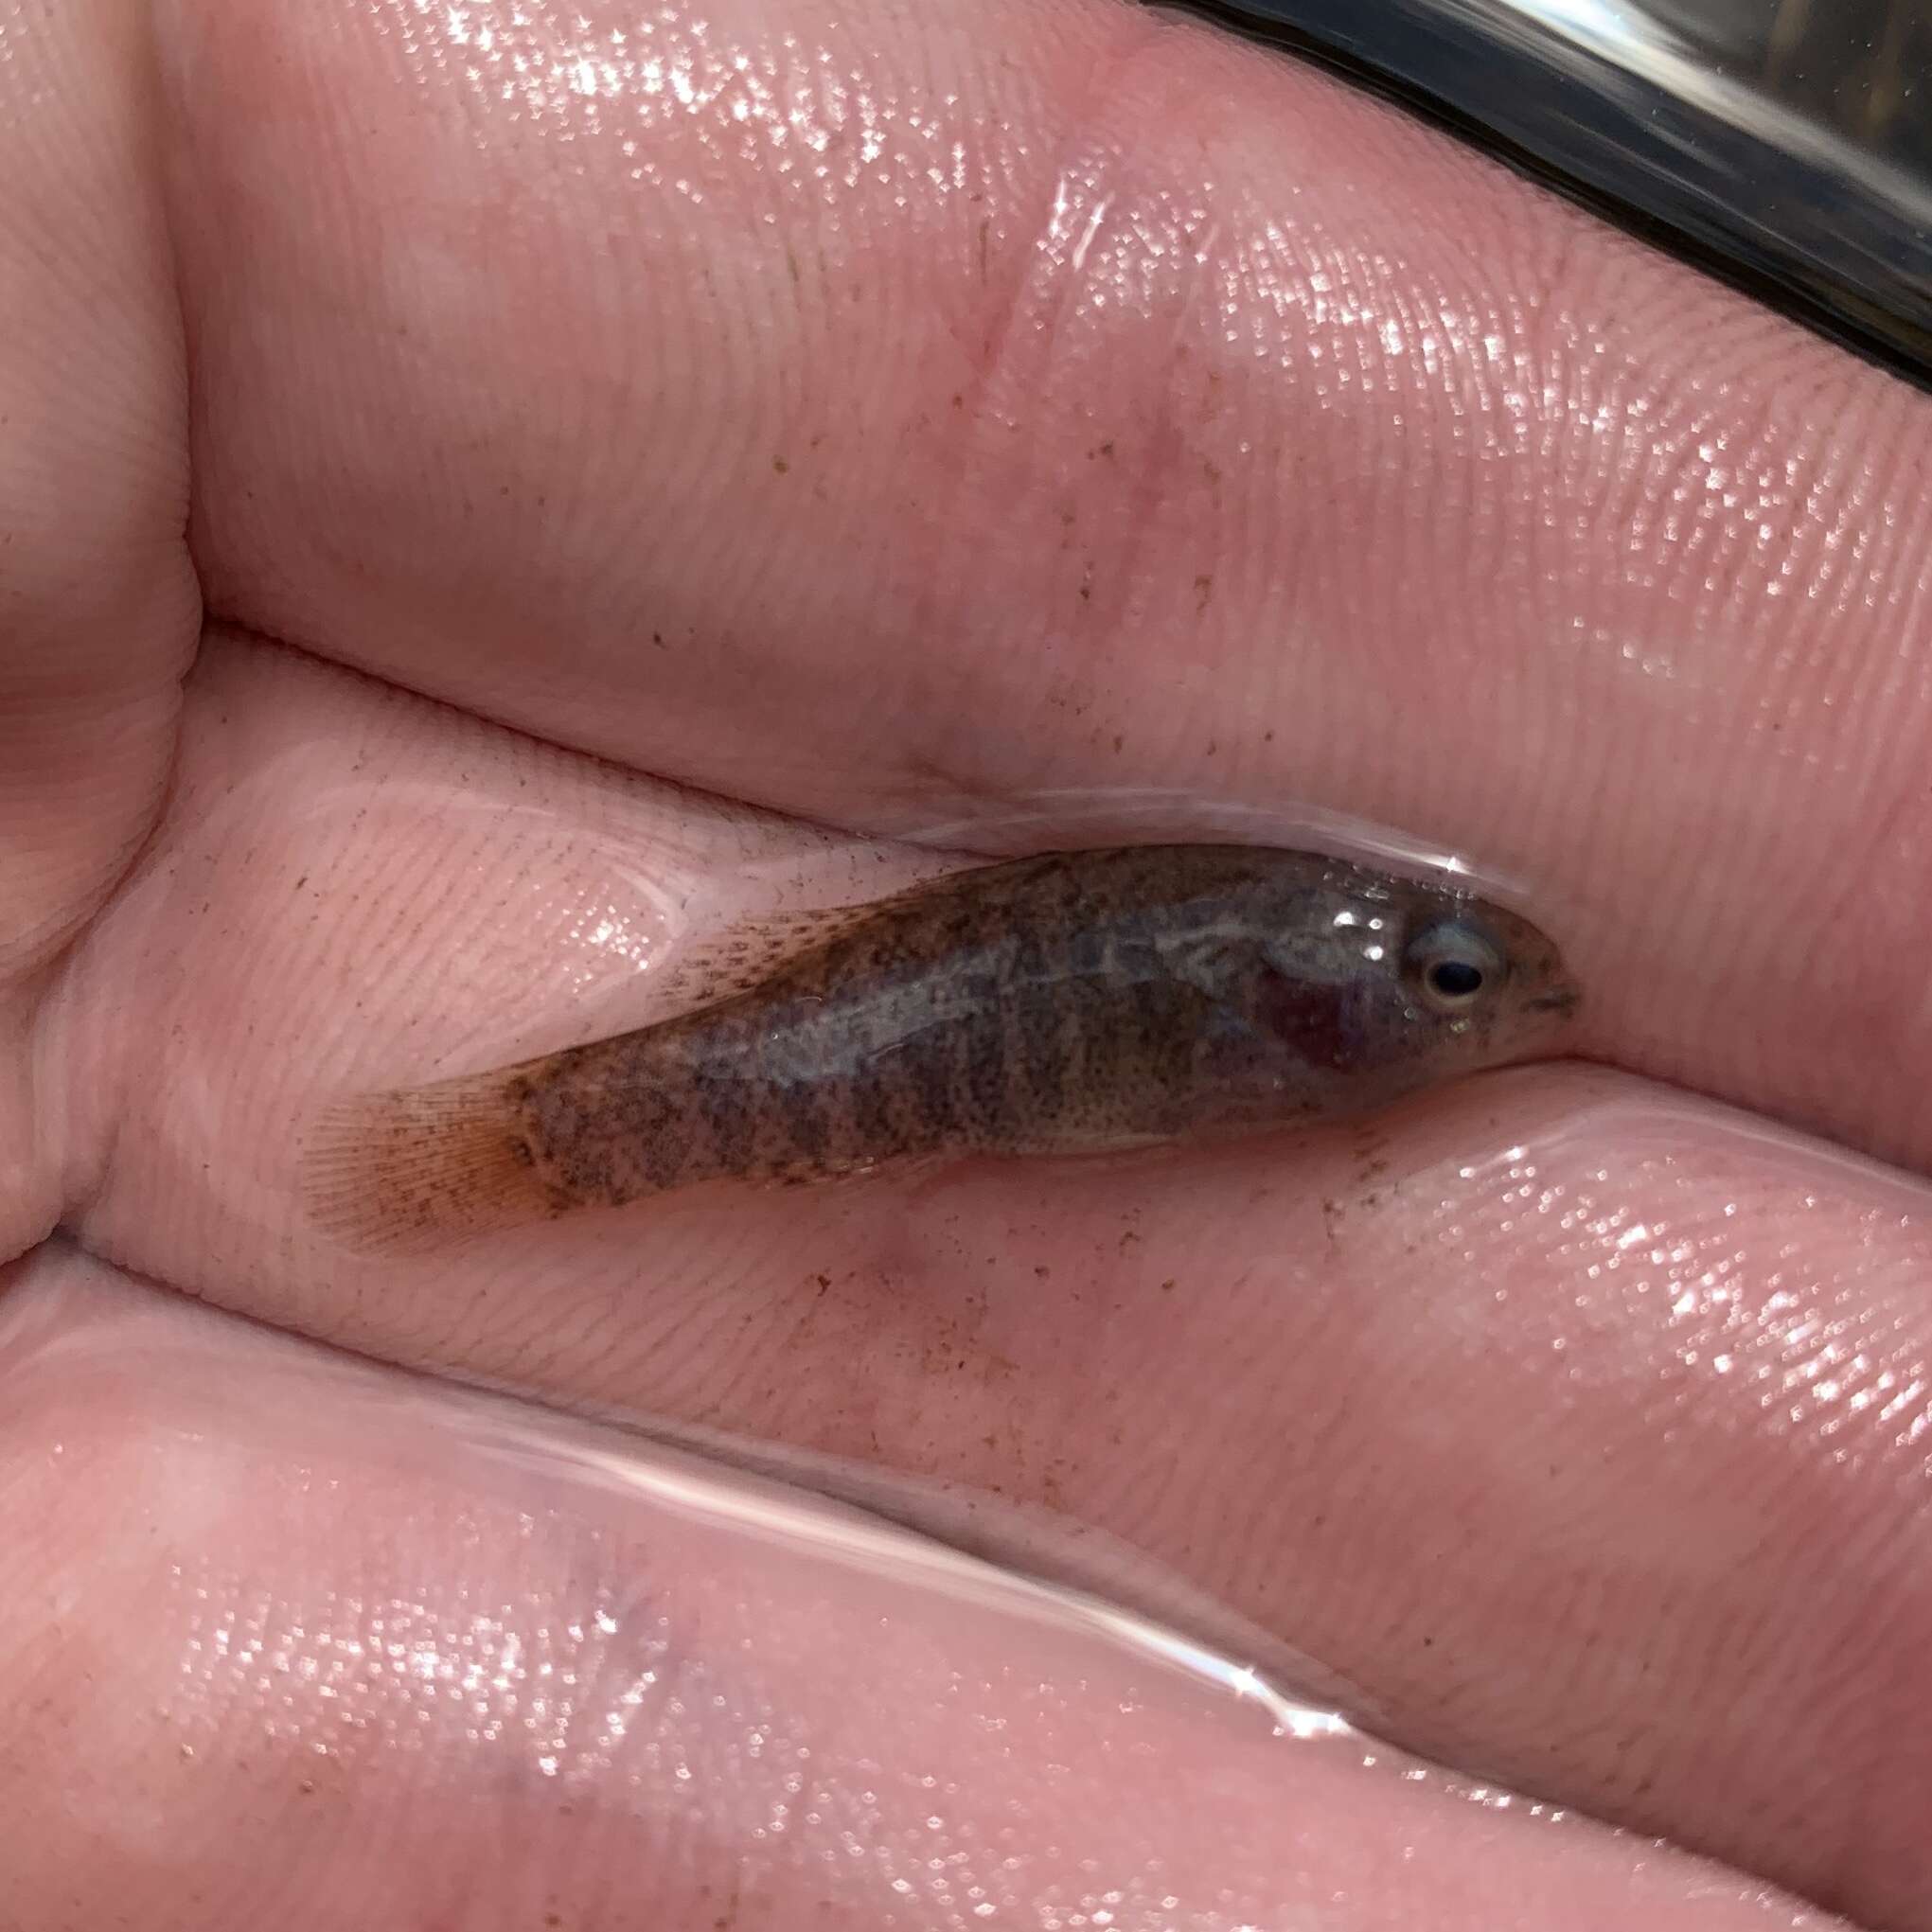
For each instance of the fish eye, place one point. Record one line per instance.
(1453, 965)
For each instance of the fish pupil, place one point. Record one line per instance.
(1455, 979)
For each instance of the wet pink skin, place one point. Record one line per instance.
(483, 490)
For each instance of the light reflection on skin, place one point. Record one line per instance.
(1720, 1281)
(350, 1670)
(786, 108)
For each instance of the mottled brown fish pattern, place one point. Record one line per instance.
(1073, 1002)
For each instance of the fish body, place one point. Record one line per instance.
(1072, 1002)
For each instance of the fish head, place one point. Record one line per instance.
(1401, 984)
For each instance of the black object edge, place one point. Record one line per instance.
(1835, 268)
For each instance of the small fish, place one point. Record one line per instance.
(1070, 1003)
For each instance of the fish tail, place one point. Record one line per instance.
(405, 1171)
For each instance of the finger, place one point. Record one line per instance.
(878, 413)
(326, 1647)
(98, 604)
(1580, 1428)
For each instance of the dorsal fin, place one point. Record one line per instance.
(716, 966)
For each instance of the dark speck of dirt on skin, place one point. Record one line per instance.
(780, 465)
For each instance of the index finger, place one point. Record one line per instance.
(877, 414)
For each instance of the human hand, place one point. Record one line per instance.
(889, 417)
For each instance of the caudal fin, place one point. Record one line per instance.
(403, 1172)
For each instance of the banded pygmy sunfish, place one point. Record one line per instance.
(1070, 1003)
